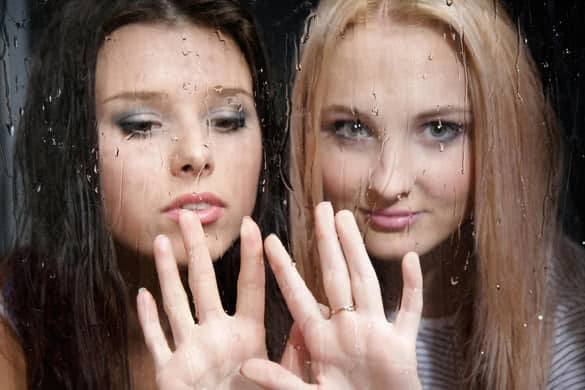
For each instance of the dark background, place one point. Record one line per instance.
(554, 31)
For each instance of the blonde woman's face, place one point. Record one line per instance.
(394, 143)
(178, 129)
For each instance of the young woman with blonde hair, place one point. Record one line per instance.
(427, 119)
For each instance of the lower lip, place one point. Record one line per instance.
(207, 216)
(388, 222)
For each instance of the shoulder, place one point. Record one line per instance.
(12, 360)
(568, 349)
(12, 364)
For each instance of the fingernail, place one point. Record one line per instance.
(245, 227)
(161, 241)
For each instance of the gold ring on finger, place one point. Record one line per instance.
(342, 308)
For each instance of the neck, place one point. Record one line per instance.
(446, 275)
(139, 271)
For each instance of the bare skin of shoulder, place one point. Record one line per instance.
(12, 366)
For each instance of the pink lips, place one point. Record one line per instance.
(391, 219)
(210, 214)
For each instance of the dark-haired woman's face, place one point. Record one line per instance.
(177, 130)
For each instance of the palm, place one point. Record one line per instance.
(208, 354)
(354, 347)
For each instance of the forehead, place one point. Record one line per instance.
(166, 57)
(414, 61)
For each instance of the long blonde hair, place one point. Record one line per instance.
(517, 173)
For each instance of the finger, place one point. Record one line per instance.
(154, 336)
(301, 303)
(202, 280)
(271, 376)
(408, 318)
(333, 267)
(251, 279)
(175, 301)
(296, 354)
(364, 282)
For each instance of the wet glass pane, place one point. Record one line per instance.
(450, 128)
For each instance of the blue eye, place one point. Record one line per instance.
(228, 121)
(440, 131)
(351, 130)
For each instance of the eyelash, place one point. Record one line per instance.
(452, 129)
(228, 122)
(223, 122)
(138, 128)
(351, 130)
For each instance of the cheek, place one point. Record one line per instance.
(345, 175)
(242, 169)
(449, 179)
(127, 171)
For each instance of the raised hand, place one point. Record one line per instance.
(208, 354)
(354, 346)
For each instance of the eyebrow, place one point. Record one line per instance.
(444, 110)
(155, 95)
(354, 111)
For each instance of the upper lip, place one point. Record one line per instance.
(194, 198)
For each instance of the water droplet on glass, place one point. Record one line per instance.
(375, 111)
(449, 3)
(21, 111)
(218, 88)
(38, 187)
(430, 56)
(454, 280)
(441, 146)
(525, 325)
(540, 317)
(10, 129)
(498, 287)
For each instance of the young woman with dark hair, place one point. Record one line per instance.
(135, 111)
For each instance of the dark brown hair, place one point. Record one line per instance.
(64, 292)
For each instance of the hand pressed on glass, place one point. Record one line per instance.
(207, 354)
(356, 347)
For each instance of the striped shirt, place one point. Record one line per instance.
(437, 358)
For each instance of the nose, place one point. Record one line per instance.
(392, 175)
(192, 156)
